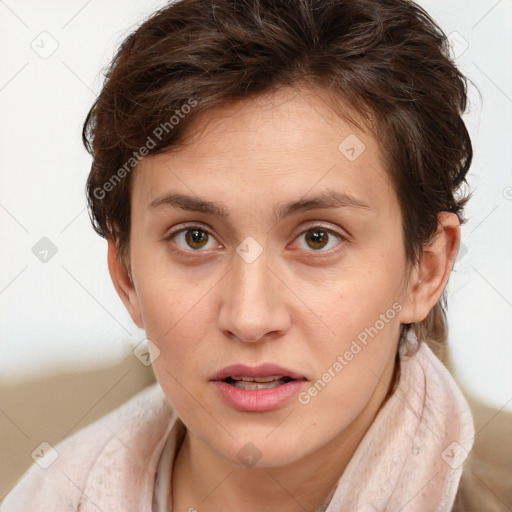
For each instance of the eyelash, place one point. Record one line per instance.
(314, 227)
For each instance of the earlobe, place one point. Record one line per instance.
(429, 277)
(123, 284)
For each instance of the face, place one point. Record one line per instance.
(273, 237)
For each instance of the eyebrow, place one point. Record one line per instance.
(328, 199)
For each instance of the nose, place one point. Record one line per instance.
(253, 307)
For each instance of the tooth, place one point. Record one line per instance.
(268, 379)
(252, 385)
(257, 385)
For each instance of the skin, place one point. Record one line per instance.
(298, 305)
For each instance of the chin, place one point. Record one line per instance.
(259, 452)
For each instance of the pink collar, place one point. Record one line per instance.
(410, 460)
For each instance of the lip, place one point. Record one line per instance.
(257, 400)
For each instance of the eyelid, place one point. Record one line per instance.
(322, 225)
(184, 226)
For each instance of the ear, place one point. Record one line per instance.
(429, 277)
(123, 284)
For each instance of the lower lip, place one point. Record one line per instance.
(258, 400)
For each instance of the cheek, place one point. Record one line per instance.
(364, 326)
(350, 370)
(178, 328)
(174, 321)
(357, 301)
(168, 299)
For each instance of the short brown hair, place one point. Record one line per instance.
(387, 60)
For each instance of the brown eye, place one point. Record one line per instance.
(193, 239)
(196, 238)
(317, 238)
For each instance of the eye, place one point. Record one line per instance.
(319, 239)
(193, 237)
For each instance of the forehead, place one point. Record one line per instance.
(286, 144)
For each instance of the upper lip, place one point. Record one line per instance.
(262, 370)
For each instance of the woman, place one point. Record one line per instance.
(277, 182)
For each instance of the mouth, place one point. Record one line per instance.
(257, 388)
(251, 383)
(266, 375)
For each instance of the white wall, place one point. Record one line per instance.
(65, 313)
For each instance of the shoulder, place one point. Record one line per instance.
(94, 463)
